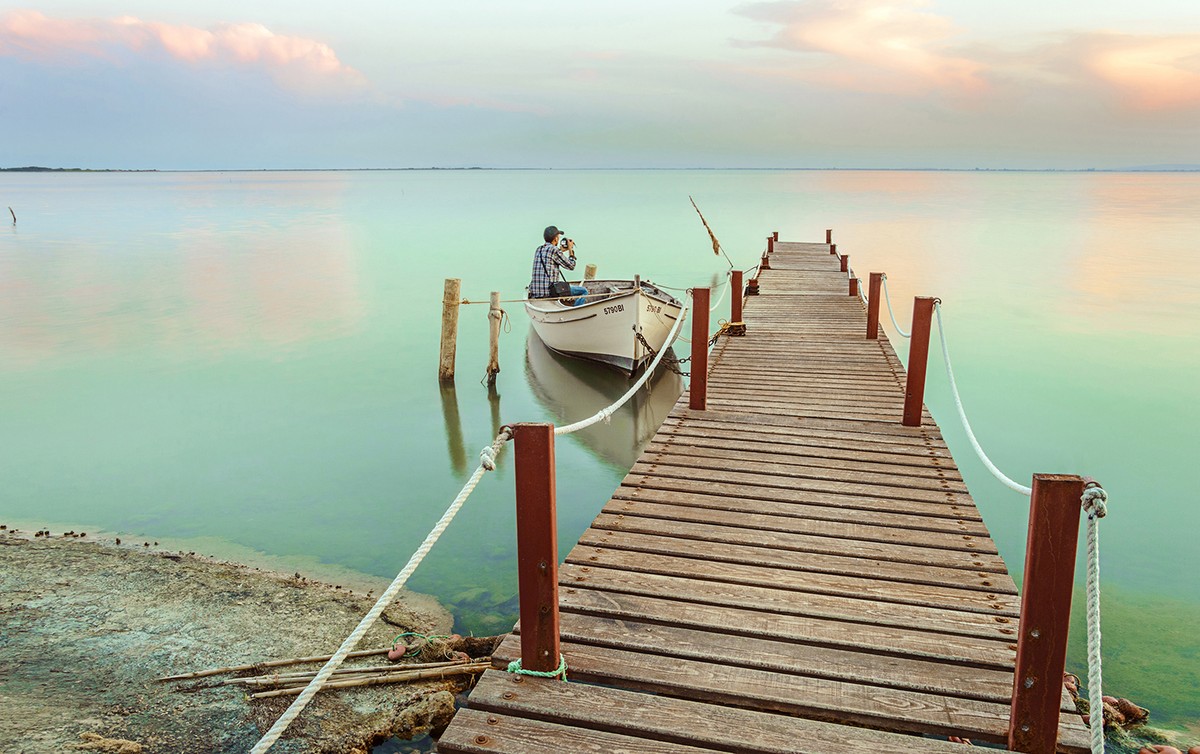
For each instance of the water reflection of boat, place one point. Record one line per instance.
(571, 390)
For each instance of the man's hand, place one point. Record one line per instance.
(571, 246)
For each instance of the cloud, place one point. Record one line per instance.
(295, 62)
(870, 45)
(1150, 72)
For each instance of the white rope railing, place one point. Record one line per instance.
(604, 413)
(487, 462)
(962, 414)
(1094, 503)
(724, 289)
(888, 298)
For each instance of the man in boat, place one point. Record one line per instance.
(547, 260)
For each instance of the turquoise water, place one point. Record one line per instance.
(251, 357)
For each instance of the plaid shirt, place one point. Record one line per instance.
(546, 261)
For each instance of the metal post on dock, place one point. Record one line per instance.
(833, 249)
(829, 235)
(918, 360)
(853, 286)
(765, 264)
(495, 317)
(450, 299)
(775, 235)
(698, 387)
(846, 263)
(771, 244)
(736, 293)
(873, 305)
(1054, 513)
(537, 546)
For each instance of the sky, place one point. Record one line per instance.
(249, 84)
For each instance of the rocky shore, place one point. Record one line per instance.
(87, 628)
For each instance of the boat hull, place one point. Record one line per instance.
(606, 329)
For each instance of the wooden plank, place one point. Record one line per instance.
(879, 490)
(968, 600)
(883, 554)
(816, 698)
(785, 465)
(477, 732)
(817, 527)
(910, 629)
(835, 565)
(660, 718)
(828, 512)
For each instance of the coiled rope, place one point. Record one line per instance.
(1094, 503)
(487, 462)
(937, 308)
(888, 298)
(605, 413)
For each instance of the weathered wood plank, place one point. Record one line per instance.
(772, 576)
(911, 629)
(836, 565)
(477, 732)
(660, 718)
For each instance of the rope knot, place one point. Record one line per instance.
(561, 670)
(1094, 502)
(487, 458)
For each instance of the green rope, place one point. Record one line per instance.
(515, 667)
(417, 651)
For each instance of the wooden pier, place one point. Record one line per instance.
(789, 570)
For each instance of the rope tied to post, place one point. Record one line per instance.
(887, 297)
(1095, 501)
(560, 671)
(487, 458)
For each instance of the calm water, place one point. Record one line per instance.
(249, 359)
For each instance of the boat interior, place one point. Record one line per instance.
(603, 290)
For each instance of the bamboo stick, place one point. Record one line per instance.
(416, 675)
(270, 664)
(301, 675)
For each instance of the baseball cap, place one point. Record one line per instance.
(549, 234)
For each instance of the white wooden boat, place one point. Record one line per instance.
(608, 326)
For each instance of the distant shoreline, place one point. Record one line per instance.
(1137, 169)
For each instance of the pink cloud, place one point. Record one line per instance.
(294, 61)
(1152, 73)
(871, 45)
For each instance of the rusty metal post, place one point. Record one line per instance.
(698, 388)
(1045, 612)
(829, 235)
(873, 305)
(766, 262)
(770, 244)
(833, 248)
(735, 290)
(846, 263)
(537, 546)
(853, 286)
(918, 360)
(775, 235)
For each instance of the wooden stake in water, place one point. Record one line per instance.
(495, 317)
(589, 272)
(450, 299)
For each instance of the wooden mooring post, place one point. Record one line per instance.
(495, 317)
(537, 546)
(736, 294)
(450, 299)
(1054, 512)
(589, 272)
(698, 386)
(873, 305)
(918, 360)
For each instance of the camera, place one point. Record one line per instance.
(565, 244)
